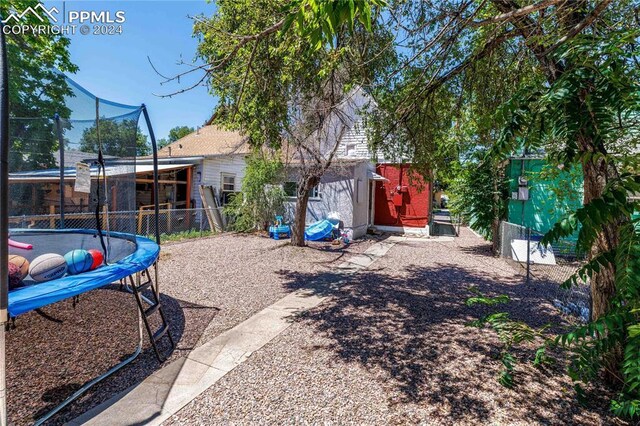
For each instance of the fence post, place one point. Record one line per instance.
(104, 217)
(528, 255)
(52, 220)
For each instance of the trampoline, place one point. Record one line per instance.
(68, 182)
(129, 254)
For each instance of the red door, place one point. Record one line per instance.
(404, 199)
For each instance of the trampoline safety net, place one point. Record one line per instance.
(77, 168)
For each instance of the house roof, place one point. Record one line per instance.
(121, 169)
(207, 141)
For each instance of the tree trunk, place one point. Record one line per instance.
(595, 175)
(497, 209)
(300, 217)
(603, 284)
(305, 186)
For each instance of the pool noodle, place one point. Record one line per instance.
(19, 245)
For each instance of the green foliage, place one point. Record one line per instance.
(586, 116)
(321, 20)
(184, 235)
(36, 89)
(262, 198)
(119, 138)
(179, 132)
(479, 195)
(481, 299)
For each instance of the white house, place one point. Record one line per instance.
(359, 189)
(217, 156)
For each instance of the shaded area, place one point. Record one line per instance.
(409, 330)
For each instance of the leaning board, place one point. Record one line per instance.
(538, 253)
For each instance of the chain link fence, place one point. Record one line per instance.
(173, 223)
(521, 245)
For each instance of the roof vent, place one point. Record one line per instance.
(169, 149)
(198, 130)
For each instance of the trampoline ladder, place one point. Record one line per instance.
(153, 307)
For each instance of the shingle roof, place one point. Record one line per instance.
(207, 141)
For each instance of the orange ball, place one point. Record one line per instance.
(21, 263)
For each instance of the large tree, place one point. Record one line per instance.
(580, 105)
(37, 88)
(286, 90)
(117, 138)
(175, 133)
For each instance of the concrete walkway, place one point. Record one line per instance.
(169, 389)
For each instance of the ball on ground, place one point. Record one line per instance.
(15, 276)
(98, 258)
(21, 263)
(78, 261)
(47, 267)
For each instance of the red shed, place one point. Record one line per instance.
(404, 199)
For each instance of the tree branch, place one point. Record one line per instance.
(587, 21)
(517, 13)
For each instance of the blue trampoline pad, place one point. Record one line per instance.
(128, 254)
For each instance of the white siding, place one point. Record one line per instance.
(211, 170)
(344, 193)
(196, 181)
(214, 167)
(354, 143)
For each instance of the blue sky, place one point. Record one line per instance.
(116, 67)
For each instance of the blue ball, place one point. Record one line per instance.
(78, 261)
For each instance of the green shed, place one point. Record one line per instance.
(542, 193)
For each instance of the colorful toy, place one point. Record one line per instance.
(47, 267)
(78, 261)
(19, 245)
(21, 263)
(98, 258)
(279, 229)
(15, 276)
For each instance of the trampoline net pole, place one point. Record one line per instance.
(154, 147)
(4, 218)
(62, 166)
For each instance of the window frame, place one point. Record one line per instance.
(316, 193)
(226, 192)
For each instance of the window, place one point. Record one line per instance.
(228, 181)
(291, 190)
(350, 149)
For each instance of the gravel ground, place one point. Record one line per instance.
(209, 285)
(391, 347)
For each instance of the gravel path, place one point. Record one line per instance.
(391, 347)
(209, 285)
